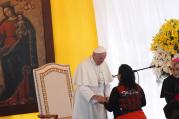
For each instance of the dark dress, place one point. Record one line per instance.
(170, 89)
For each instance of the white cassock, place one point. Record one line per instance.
(91, 79)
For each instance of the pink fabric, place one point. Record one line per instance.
(175, 59)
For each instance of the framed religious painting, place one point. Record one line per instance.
(25, 43)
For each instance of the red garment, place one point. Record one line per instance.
(133, 115)
(8, 28)
(130, 99)
(177, 97)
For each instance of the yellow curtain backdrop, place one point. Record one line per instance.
(74, 35)
(74, 30)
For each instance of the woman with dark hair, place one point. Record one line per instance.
(128, 98)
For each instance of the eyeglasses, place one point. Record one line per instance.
(115, 76)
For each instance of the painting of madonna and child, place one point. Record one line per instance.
(22, 48)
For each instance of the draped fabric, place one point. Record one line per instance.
(126, 29)
(74, 30)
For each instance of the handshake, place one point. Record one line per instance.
(100, 99)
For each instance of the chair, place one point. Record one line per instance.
(54, 91)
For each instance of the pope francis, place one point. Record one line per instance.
(92, 79)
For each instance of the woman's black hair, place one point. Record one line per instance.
(127, 76)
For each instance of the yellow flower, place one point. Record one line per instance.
(168, 37)
(165, 45)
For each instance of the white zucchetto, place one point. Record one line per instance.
(100, 49)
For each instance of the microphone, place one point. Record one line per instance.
(152, 66)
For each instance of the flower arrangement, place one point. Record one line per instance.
(165, 46)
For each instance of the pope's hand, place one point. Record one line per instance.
(99, 98)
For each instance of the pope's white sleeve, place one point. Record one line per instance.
(107, 90)
(86, 92)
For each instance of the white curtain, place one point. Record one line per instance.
(126, 28)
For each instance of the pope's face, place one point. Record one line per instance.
(99, 58)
